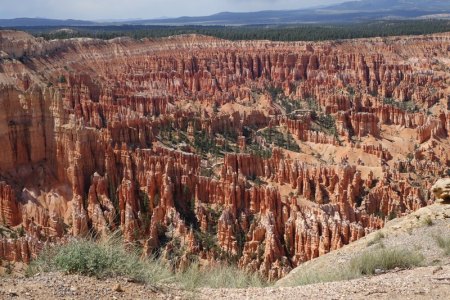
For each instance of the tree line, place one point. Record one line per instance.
(299, 32)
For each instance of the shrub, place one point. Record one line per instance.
(392, 215)
(427, 221)
(101, 260)
(384, 259)
(363, 264)
(408, 106)
(328, 123)
(378, 237)
(21, 231)
(443, 243)
(274, 135)
(274, 91)
(111, 258)
(313, 276)
(219, 276)
(62, 79)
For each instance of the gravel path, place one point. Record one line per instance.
(420, 283)
(59, 286)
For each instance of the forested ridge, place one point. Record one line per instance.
(303, 32)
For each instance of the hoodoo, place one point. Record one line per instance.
(265, 154)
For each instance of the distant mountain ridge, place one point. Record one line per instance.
(22, 22)
(424, 5)
(352, 11)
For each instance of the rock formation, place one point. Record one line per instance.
(266, 154)
(441, 189)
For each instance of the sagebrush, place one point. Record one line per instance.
(111, 258)
(444, 243)
(364, 264)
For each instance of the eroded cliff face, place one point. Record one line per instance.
(263, 154)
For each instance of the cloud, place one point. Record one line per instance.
(120, 9)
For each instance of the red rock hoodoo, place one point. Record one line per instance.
(268, 154)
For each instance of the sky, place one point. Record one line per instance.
(141, 9)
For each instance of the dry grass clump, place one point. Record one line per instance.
(364, 264)
(218, 276)
(384, 259)
(99, 259)
(444, 243)
(377, 239)
(427, 221)
(110, 259)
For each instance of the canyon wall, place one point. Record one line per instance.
(264, 154)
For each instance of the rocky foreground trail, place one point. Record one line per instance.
(419, 283)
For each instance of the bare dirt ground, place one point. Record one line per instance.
(419, 283)
(61, 286)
